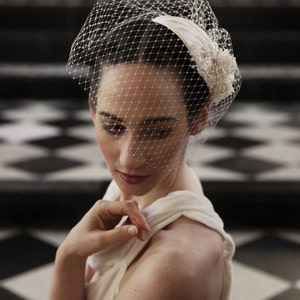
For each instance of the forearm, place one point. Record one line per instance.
(69, 277)
(92, 234)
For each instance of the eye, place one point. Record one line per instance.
(114, 129)
(158, 133)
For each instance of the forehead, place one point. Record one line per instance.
(139, 90)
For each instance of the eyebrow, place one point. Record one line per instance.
(159, 120)
(110, 116)
(145, 122)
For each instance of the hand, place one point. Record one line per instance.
(96, 230)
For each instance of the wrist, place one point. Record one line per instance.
(69, 275)
(66, 255)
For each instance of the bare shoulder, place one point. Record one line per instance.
(191, 242)
(183, 261)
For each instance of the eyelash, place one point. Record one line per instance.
(159, 134)
(114, 129)
(156, 134)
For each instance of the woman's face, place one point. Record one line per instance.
(141, 126)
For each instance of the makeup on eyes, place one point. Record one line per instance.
(154, 127)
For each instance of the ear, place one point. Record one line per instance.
(200, 121)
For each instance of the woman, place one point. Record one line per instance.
(159, 75)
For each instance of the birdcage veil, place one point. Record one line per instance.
(175, 41)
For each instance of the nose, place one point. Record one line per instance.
(132, 153)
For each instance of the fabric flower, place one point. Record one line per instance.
(216, 66)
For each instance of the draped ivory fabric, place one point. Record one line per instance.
(111, 263)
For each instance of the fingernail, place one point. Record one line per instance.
(147, 226)
(132, 230)
(144, 235)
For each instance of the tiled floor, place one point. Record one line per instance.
(54, 142)
(266, 264)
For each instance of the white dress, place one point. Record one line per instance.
(111, 263)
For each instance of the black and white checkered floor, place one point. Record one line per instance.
(266, 264)
(54, 141)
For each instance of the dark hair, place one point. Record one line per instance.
(144, 41)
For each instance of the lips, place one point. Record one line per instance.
(131, 178)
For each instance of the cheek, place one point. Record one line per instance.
(106, 148)
(172, 155)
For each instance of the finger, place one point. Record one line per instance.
(120, 234)
(108, 211)
(135, 215)
(133, 231)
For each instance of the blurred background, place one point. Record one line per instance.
(51, 170)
